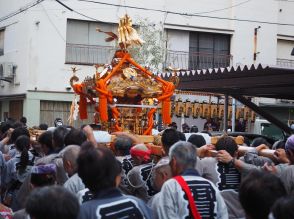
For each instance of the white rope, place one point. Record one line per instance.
(142, 184)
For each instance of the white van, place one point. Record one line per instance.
(264, 127)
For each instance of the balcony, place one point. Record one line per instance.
(90, 55)
(79, 54)
(190, 60)
(287, 63)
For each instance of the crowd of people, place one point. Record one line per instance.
(66, 174)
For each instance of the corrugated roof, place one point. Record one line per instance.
(254, 80)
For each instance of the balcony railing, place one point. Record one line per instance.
(190, 60)
(88, 54)
(285, 63)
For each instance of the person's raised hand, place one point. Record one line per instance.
(90, 135)
(261, 147)
(223, 156)
(9, 132)
(88, 130)
(281, 156)
(135, 138)
(203, 151)
(270, 168)
(7, 137)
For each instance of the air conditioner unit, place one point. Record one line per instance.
(7, 71)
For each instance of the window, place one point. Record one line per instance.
(208, 50)
(84, 45)
(2, 42)
(284, 53)
(50, 110)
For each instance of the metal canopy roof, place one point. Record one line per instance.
(257, 81)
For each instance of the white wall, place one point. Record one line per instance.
(16, 51)
(243, 38)
(285, 15)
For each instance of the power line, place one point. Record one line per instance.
(187, 14)
(22, 9)
(223, 9)
(58, 32)
(58, 9)
(72, 10)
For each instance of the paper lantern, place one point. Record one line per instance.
(179, 109)
(221, 111)
(247, 112)
(205, 111)
(213, 110)
(188, 108)
(239, 112)
(252, 116)
(230, 112)
(197, 109)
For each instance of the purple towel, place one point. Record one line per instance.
(290, 143)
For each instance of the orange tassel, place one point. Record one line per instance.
(103, 101)
(83, 107)
(168, 91)
(78, 88)
(148, 131)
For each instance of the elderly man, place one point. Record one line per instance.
(188, 195)
(74, 184)
(161, 173)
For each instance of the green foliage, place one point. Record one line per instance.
(152, 52)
